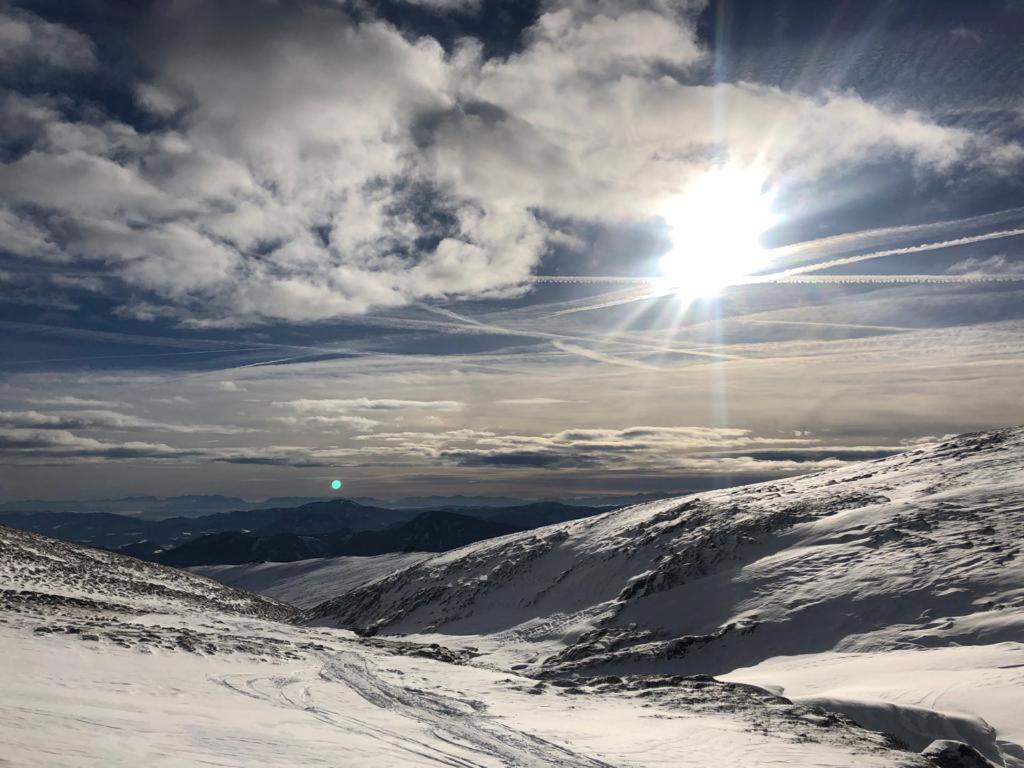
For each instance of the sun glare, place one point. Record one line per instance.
(716, 226)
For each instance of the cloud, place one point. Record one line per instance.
(633, 448)
(531, 459)
(359, 423)
(27, 40)
(366, 404)
(411, 437)
(109, 420)
(34, 438)
(446, 5)
(964, 33)
(993, 265)
(874, 238)
(815, 455)
(601, 357)
(902, 251)
(69, 401)
(536, 401)
(29, 445)
(43, 446)
(269, 188)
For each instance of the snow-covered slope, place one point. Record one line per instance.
(305, 583)
(925, 547)
(114, 662)
(914, 552)
(37, 571)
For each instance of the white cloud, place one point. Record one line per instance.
(106, 420)
(358, 423)
(318, 166)
(69, 401)
(329, 405)
(992, 265)
(535, 401)
(690, 449)
(28, 445)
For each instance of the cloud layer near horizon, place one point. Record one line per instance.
(301, 162)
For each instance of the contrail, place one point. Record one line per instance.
(589, 279)
(936, 246)
(802, 274)
(601, 357)
(130, 357)
(819, 324)
(646, 294)
(851, 279)
(854, 240)
(450, 314)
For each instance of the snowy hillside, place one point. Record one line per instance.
(36, 570)
(918, 554)
(111, 661)
(306, 583)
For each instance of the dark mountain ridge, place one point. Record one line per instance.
(112, 531)
(332, 521)
(433, 531)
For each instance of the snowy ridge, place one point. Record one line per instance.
(36, 569)
(796, 565)
(890, 565)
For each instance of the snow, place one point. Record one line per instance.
(69, 702)
(977, 690)
(890, 592)
(305, 583)
(103, 667)
(875, 563)
(32, 566)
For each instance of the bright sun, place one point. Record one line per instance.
(716, 232)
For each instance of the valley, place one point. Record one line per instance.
(855, 616)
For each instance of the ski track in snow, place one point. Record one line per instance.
(890, 591)
(455, 722)
(917, 551)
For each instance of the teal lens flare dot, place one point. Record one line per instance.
(336, 485)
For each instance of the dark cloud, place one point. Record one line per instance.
(107, 420)
(814, 456)
(30, 44)
(533, 459)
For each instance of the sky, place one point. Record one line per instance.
(531, 249)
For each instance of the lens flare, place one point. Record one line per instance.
(716, 227)
(335, 485)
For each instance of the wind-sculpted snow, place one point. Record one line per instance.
(306, 583)
(887, 594)
(37, 571)
(704, 583)
(114, 662)
(923, 550)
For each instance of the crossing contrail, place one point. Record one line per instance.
(800, 275)
(935, 246)
(781, 278)
(887, 279)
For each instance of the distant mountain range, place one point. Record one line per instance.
(433, 531)
(154, 507)
(159, 508)
(284, 534)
